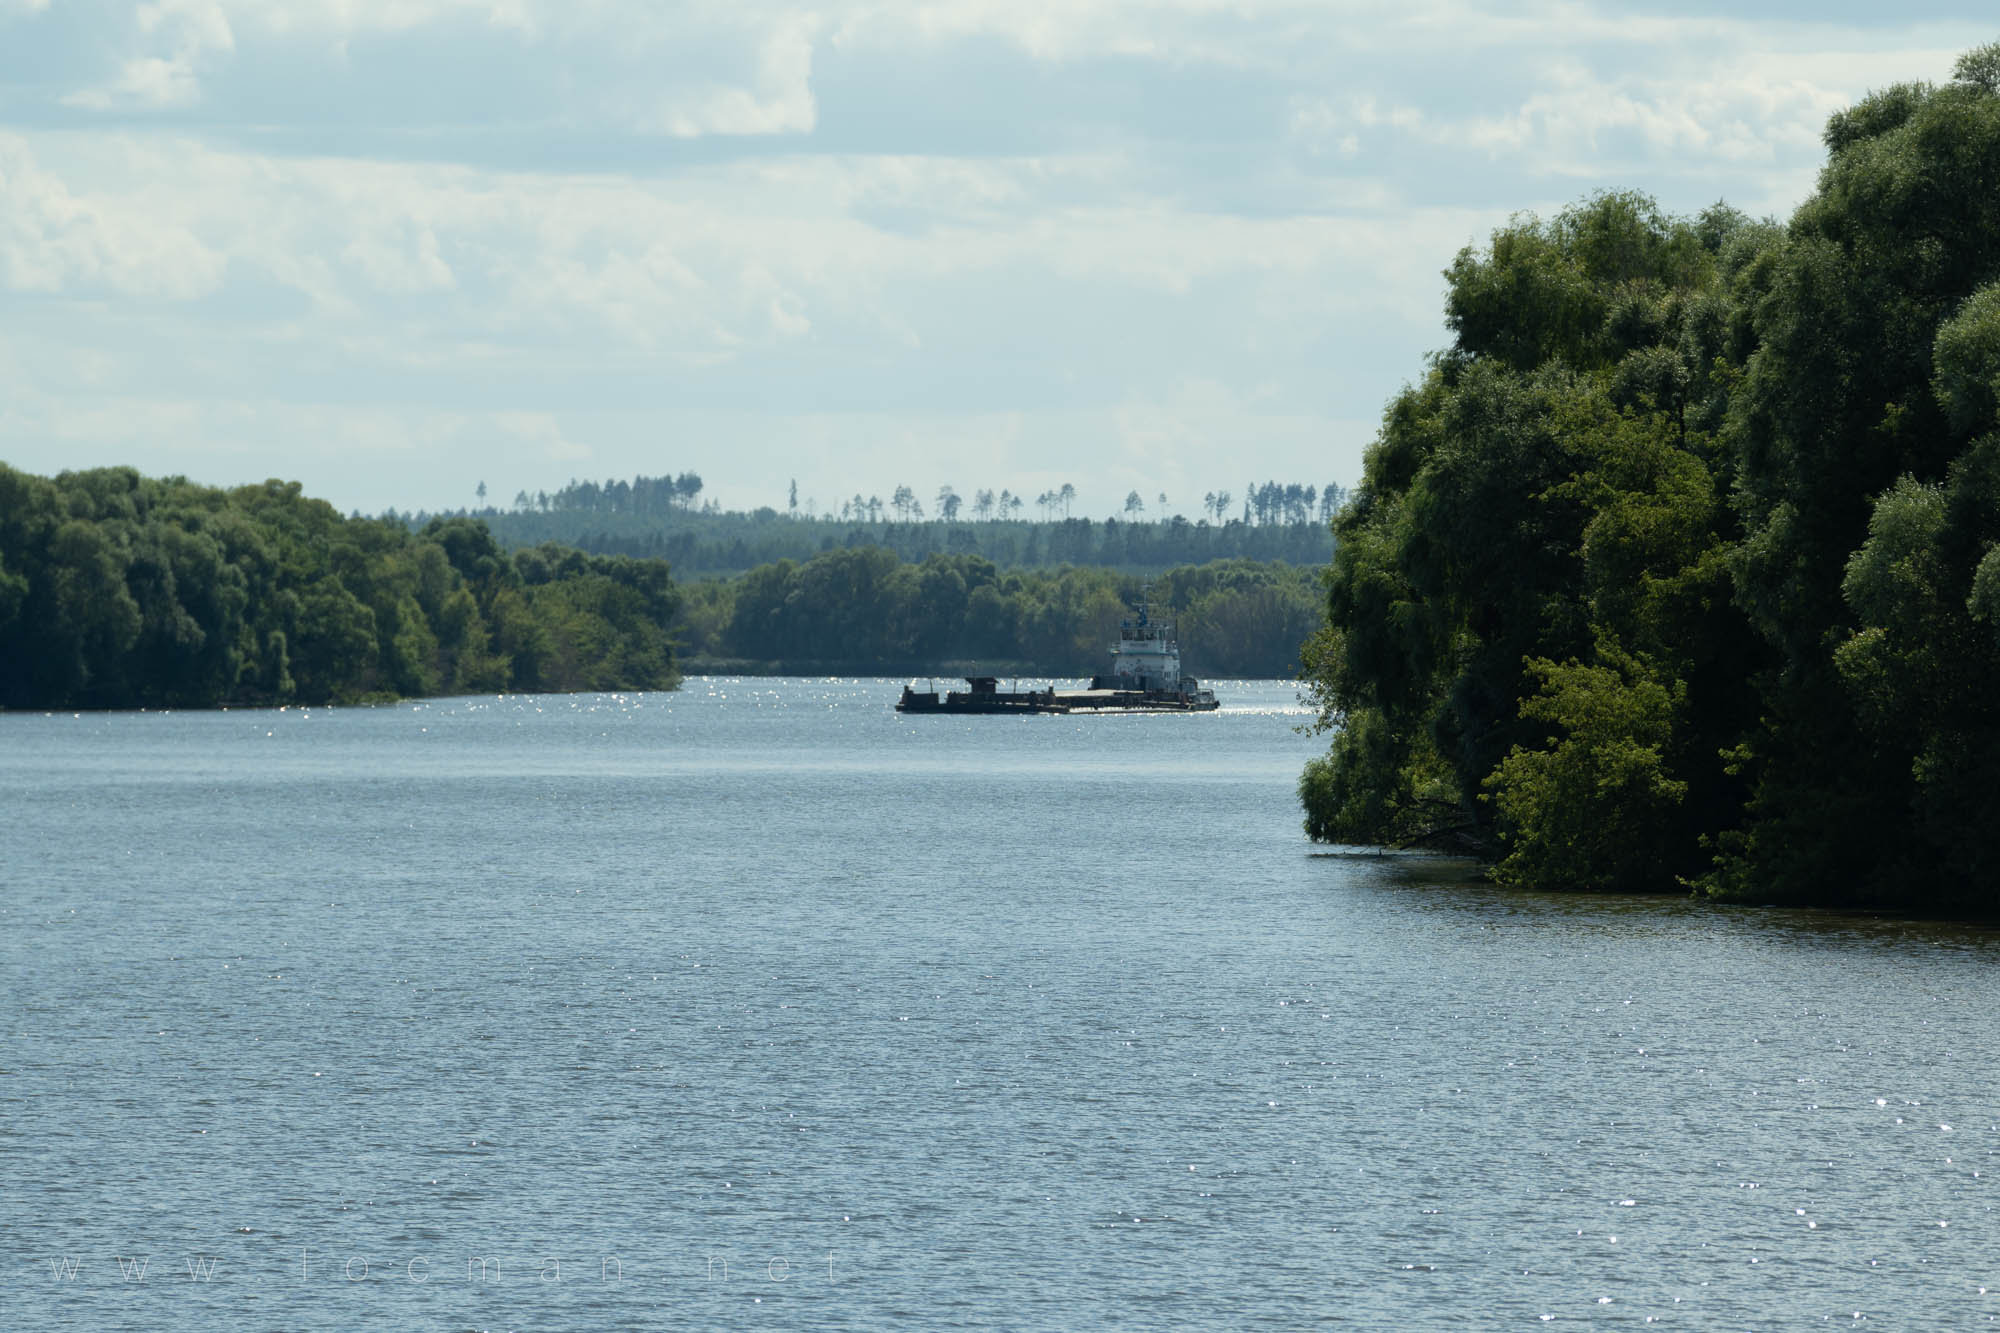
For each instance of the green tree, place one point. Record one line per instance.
(1874, 339)
(118, 590)
(1540, 531)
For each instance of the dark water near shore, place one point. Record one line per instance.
(814, 1017)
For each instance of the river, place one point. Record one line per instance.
(757, 1005)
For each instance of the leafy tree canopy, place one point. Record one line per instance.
(1679, 564)
(118, 590)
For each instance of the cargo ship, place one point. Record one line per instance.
(1145, 677)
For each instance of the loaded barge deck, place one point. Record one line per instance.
(1145, 678)
(986, 696)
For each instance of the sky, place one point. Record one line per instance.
(393, 249)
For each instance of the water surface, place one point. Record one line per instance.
(757, 1005)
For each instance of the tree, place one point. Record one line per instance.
(982, 504)
(1530, 646)
(687, 487)
(948, 503)
(1330, 498)
(793, 498)
(1864, 438)
(1980, 68)
(480, 491)
(1134, 505)
(1067, 495)
(1598, 809)
(165, 593)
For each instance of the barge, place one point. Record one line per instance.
(1145, 677)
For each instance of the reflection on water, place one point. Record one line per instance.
(1456, 884)
(808, 1015)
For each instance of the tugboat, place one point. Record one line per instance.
(1145, 678)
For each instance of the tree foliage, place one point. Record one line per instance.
(118, 590)
(865, 610)
(1680, 563)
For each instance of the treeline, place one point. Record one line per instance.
(718, 543)
(1681, 566)
(650, 497)
(659, 497)
(122, 591)
(865, 610)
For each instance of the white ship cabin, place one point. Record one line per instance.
(1146, 656)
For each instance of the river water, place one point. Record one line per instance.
(759, 1006)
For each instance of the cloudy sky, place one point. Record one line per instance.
(393, 248)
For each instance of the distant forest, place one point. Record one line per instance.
(865, 611)
(665, 518)
(123, 591)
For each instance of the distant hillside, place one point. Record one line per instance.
(662, 517)
(737, 543)
(864, 612)
(697, 543)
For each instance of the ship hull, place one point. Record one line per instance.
(1057, 701)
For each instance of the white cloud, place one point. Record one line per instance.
(709, 261)
(1727, 117)
(749, 74)
(194, 34)
(1178, 235)
(544, 433)
(1742, 111)
(406, 263)
(780, 101)
(53, 240)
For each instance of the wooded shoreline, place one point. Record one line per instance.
(1680, 566)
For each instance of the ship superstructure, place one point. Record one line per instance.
(1146, 657)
